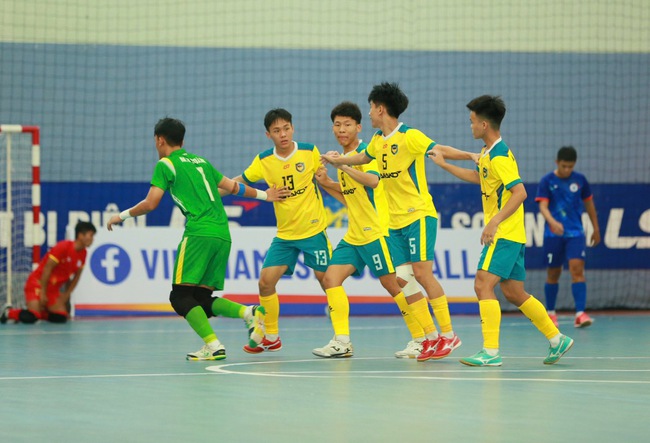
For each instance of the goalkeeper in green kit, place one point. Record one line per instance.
(202, 255)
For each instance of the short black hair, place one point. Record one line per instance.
(567, 154)
(346, 109)
(274, 115)
(82, 227)
(490, 107)
(391, 96)
(171, 129)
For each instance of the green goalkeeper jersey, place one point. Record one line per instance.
(193, 184)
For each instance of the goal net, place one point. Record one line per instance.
(19, 209)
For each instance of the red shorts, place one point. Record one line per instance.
(33, 292)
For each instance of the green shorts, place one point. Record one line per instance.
(375, 255)
(316, 250)
(415, 242)
(505, 259)
(201, 261)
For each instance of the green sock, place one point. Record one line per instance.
(199, 322)
(227, 308)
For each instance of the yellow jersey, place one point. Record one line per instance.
(302, 214)
(498, 173)
(367, 207)
(401, 159)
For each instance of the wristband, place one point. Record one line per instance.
(124, 215)
(261, 195)
(242, 190)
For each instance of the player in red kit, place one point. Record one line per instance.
(59, 273)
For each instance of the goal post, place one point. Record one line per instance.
(20, 207)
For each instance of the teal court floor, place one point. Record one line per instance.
(127, 380)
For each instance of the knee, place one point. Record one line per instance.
(182, 299)
(266, 285)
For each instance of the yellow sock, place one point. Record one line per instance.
(490, 322)
(339, 307)
(535, 311)
(271, 304)
(441, 312)
(420, 310)
(411, 323)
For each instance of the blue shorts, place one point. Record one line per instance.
(375, 255)
(316, 250)
(558, 250)
(505, 259)
(415, 242)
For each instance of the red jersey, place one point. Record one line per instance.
(68, 260)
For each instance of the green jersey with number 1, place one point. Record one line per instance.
(192, 182)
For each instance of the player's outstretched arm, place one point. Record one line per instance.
(272, 194)
(334, 158)
(364, 178)
(224, 192)
(468, 175)
(451, 153)
(150, 202)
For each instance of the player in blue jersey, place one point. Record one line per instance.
(563, 195)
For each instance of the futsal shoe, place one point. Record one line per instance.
(553, 318)
(254, 320)
(207, 353)
(264, 345)
(442, 349)
(334, 349)
(583, 320)
(556, 352)
(412, 350)
(482, 358)
(5, 315)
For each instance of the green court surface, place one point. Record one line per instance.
(127, 380)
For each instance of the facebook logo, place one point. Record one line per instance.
(110, 264)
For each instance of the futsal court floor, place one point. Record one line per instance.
(127, 380)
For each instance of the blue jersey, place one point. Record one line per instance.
(565, 198)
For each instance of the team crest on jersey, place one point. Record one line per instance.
(393, 149)
(300, 167)
(573, 187)
(485, 172)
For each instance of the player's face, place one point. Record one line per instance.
(374, 114)
(477, 125)
(281, 132)
(346, 130)
(564, 168)
(87, 238)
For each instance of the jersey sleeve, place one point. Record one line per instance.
(253, 173)
(58, 252)
(316, 159)
(164, 174)
(418, 143)
(371, 168)
(586, 190)
(542, 190)
(371, 149)
(506, 169)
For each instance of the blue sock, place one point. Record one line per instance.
(579, 291)
(550, 292)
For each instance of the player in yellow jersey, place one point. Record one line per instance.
(504, 236)
(301, 217)
(365, 242)
(400, 153)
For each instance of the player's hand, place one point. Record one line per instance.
(476, 157)
(595, 238)
(556, 227)
(114, 220)
(321, 175)
(488, 234)
(330, 157)
(275, 193)
(436, 156)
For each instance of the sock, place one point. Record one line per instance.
(339, 307)
(535, 311)
(441, 312)
(420, 310)
(199, 322)
(271, 304)
(490, 311)
(417, 333)
(227, 308)
(12, 314)
(550, 293)
(579, 291)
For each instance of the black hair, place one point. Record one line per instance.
(171, 129)
(567, 154)
(82, 227)
(274, 115)
(490, 107)
(346, 109)
(390, 96)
